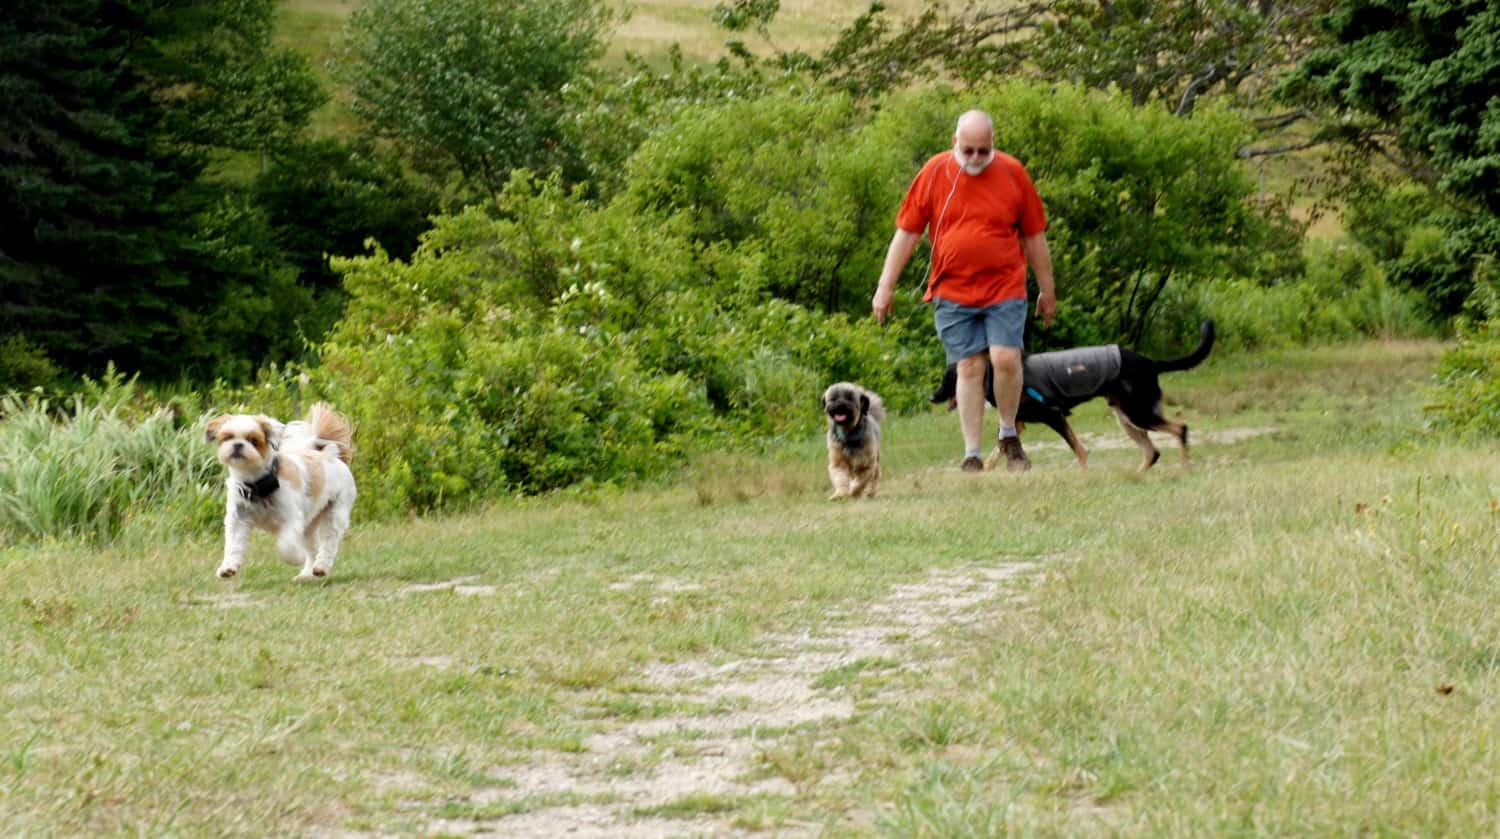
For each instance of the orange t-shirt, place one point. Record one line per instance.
(975, 223)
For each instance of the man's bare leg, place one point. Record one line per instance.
(1008, 382)
(1007, 364)
(970, 395)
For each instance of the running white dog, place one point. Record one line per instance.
(292, 480)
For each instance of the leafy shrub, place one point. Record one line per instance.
(24, 365)
(1342, 294)
(1466, 399)
(1139, 202)
(565, 342)
(803, 191)
(792, 180)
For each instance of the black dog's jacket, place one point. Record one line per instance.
(1068, 376)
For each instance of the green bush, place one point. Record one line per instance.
(1466, 399)
(1140, 203)
(1341, 294)
(565, 342)
(24, 365)
(793, 180)
(803, 191)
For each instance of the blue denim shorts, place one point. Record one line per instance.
(966, 330)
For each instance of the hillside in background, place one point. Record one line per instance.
(649, 31)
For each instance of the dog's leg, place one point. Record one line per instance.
(1058, 421)
(1156, 422)
(330, 529)
(236, 542)
(1073, 443)
(1178, 430)
(993, 458)
(1173, 428)
(297, 558)
(1149, 454)
(292, 543)
(862, 482)
(840, 479)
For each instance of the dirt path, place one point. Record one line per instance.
(630, 768)
(770, 692)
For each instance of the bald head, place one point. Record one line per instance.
(975, 122)
(974, 141)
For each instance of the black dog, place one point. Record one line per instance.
(1056, 382)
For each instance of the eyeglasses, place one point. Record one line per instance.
(970, 151)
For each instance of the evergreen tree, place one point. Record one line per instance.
(87, 234)
(111, 244)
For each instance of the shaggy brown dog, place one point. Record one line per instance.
(854, 417)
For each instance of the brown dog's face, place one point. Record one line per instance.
(244, 442)
(845, 406)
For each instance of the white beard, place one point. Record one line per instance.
(973, 168)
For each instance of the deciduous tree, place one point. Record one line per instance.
(472, 87)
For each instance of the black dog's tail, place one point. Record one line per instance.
(948, 388)
(1194, 358)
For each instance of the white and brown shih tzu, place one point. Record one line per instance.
(292, 480)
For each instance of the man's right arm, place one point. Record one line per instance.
(896, 257)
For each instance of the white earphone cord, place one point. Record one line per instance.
(936, 225)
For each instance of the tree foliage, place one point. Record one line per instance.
(111, 109)
(91, 249)
(223, 83)
(1418, 85)
(1173, 52)
(470, 87)
(326, 198)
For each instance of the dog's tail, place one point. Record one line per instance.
(877, 407)
(1194, 358)
(948, 389)
(330, 429)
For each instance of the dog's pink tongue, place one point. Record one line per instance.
(841, 417)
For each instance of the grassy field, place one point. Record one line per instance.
(1294, 635)
(646, 28)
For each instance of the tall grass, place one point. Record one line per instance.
(93, 469)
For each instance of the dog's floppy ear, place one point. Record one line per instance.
(211, 431)
(864, 403)
(273, 430)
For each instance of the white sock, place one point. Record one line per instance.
(971, 453)
(1007, 431)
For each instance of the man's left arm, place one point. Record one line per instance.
(1039, 257)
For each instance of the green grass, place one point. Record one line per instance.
(1294, 636)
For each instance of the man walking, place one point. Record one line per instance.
(986, 224)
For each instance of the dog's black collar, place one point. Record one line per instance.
(262, 487)
(854, 437)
